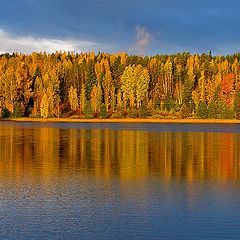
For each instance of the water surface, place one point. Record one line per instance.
(119, 181)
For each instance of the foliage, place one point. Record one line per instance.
(143, 112)
(220, 110)
(118, 85)
(168, 104)
(185, 111)
(133, 113)
(17, 112)
(5, 113)
(202, 111)
(103, 111)
(73, 98)
(44, 106)
(88, 111)
(237, 106)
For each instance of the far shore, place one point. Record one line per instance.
(126, 120)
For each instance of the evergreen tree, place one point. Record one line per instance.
(88, 111)
(17, 112)
(103, 111)
(202, 110)
(5, 113)
(237, 106)
(91, 79)
(73, 98)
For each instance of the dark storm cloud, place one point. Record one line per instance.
(113, 25)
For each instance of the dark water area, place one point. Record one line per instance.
(119, 181)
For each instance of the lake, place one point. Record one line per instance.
(119, 181)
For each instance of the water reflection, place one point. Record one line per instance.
(124, 153)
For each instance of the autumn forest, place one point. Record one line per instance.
(102, 85)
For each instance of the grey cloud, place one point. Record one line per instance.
(28, 44)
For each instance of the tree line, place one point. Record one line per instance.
(89, 85)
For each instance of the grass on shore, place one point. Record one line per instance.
(126, 120)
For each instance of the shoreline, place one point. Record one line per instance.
(126, 120)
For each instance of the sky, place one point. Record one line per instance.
(146, 27)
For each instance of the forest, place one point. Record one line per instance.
(89, 85)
